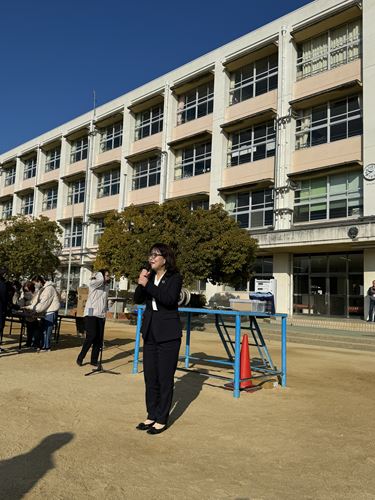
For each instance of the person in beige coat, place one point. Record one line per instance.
(45, 303)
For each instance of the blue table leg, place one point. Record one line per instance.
(187, 346)
(283, 351)
(137, 340)
(236, 389)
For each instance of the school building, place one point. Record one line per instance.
(277, 125)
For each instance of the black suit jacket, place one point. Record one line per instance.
(166, 324)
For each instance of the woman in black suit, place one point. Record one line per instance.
(160, 289)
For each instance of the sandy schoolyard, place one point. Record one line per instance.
(67, 436)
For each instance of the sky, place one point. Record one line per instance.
(54, 54)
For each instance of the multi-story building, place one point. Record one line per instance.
(276, 125)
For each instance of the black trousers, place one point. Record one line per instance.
(159, 366)
(94, 327)
(371, 310)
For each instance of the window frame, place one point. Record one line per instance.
(189, 110)
(77, 235)
(252, 209)
(50, 197)
(53, 158)
(146, 170)
(110, 186)
(144, 127)
(27, 204)
(79, 149)
(186, 164)
(111, 137)
(242, 148)
(6, 214)
(10, 176)
(76, 191)
(29, 168)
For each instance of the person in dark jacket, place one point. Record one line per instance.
(160, 289)
(3, 303)
(371, 294)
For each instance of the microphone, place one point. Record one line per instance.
(147, 266)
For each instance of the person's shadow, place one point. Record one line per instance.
(186, 389)
(19, 474)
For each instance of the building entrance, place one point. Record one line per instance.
(328, 285)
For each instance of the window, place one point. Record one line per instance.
(199, 102)
(149, 122)
(27, 204)
(254, 79)
(79, 150)
(329, 50)
(202, 204)
(262, 270)
(195, 160)
(75, 272)
(252, 144)
(146, 173)
(98, 230)
(50, 198)
(252, 209)
(29, 170)
(109, 183)
(331, 197)
(53, 159)
(7, 209)
(73, 239)
(111, 137)
(76, 191)
(10, 176)
(329, 122)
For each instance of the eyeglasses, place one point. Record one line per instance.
(154, 255)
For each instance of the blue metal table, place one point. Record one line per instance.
(267, 368)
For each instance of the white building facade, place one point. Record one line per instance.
(276, 125)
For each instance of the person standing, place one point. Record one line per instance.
(160, 289)
(94, 316)
(371, 294)
(32, 322)
(3, 303)
(46, 304)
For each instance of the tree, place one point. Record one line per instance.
(209, 244)
(30, 246)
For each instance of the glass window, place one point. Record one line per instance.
(27, 204)
(98, 230)
(79, 150)
(149, 122)
(254, 79)
(332, 197)
(199, 204)
(330, 122)
(10, 176)
(252, 209)
(252, 144)
(196, 103)
(109, 183)
(111, 137)
(50, 198)
(29, 169)
(73, 238)
(146, 173)
(7, 209)
(194, 160)
(329, 50)
(53, 159)
(76, 191)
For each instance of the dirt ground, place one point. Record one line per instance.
(67, 436)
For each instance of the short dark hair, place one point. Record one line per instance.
(29, 285)
(168, 254)
(39, 278)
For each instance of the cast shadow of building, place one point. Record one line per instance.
(20, 474)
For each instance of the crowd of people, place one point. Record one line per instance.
(37, 302)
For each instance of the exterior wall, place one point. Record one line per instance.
(282, 272)
(248, 173)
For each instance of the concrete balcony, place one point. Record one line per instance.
(192, 128)
(47, 177)
(148, 143)
(105, 204)
(75, 168)
(77, 211)
(250, 107)
(144, 196)
(248, 173)
(112, 155)
(26, 184)
(197, 184)
(325, 155)
(51, 214)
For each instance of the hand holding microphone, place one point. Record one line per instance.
(144, 275)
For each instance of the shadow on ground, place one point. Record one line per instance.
(186, 390)
(18, 475)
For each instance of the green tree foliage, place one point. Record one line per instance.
(209, 244)
(29, 246)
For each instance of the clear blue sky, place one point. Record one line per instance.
(53, 54)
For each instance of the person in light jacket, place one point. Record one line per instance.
(32, 323)
(94, 316)
(46, 304)
(160, 289)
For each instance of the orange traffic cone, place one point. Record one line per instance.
(245, 368)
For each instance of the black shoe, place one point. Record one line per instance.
(153, 430)
(79, 362)
(94, 364)
(144, 427)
